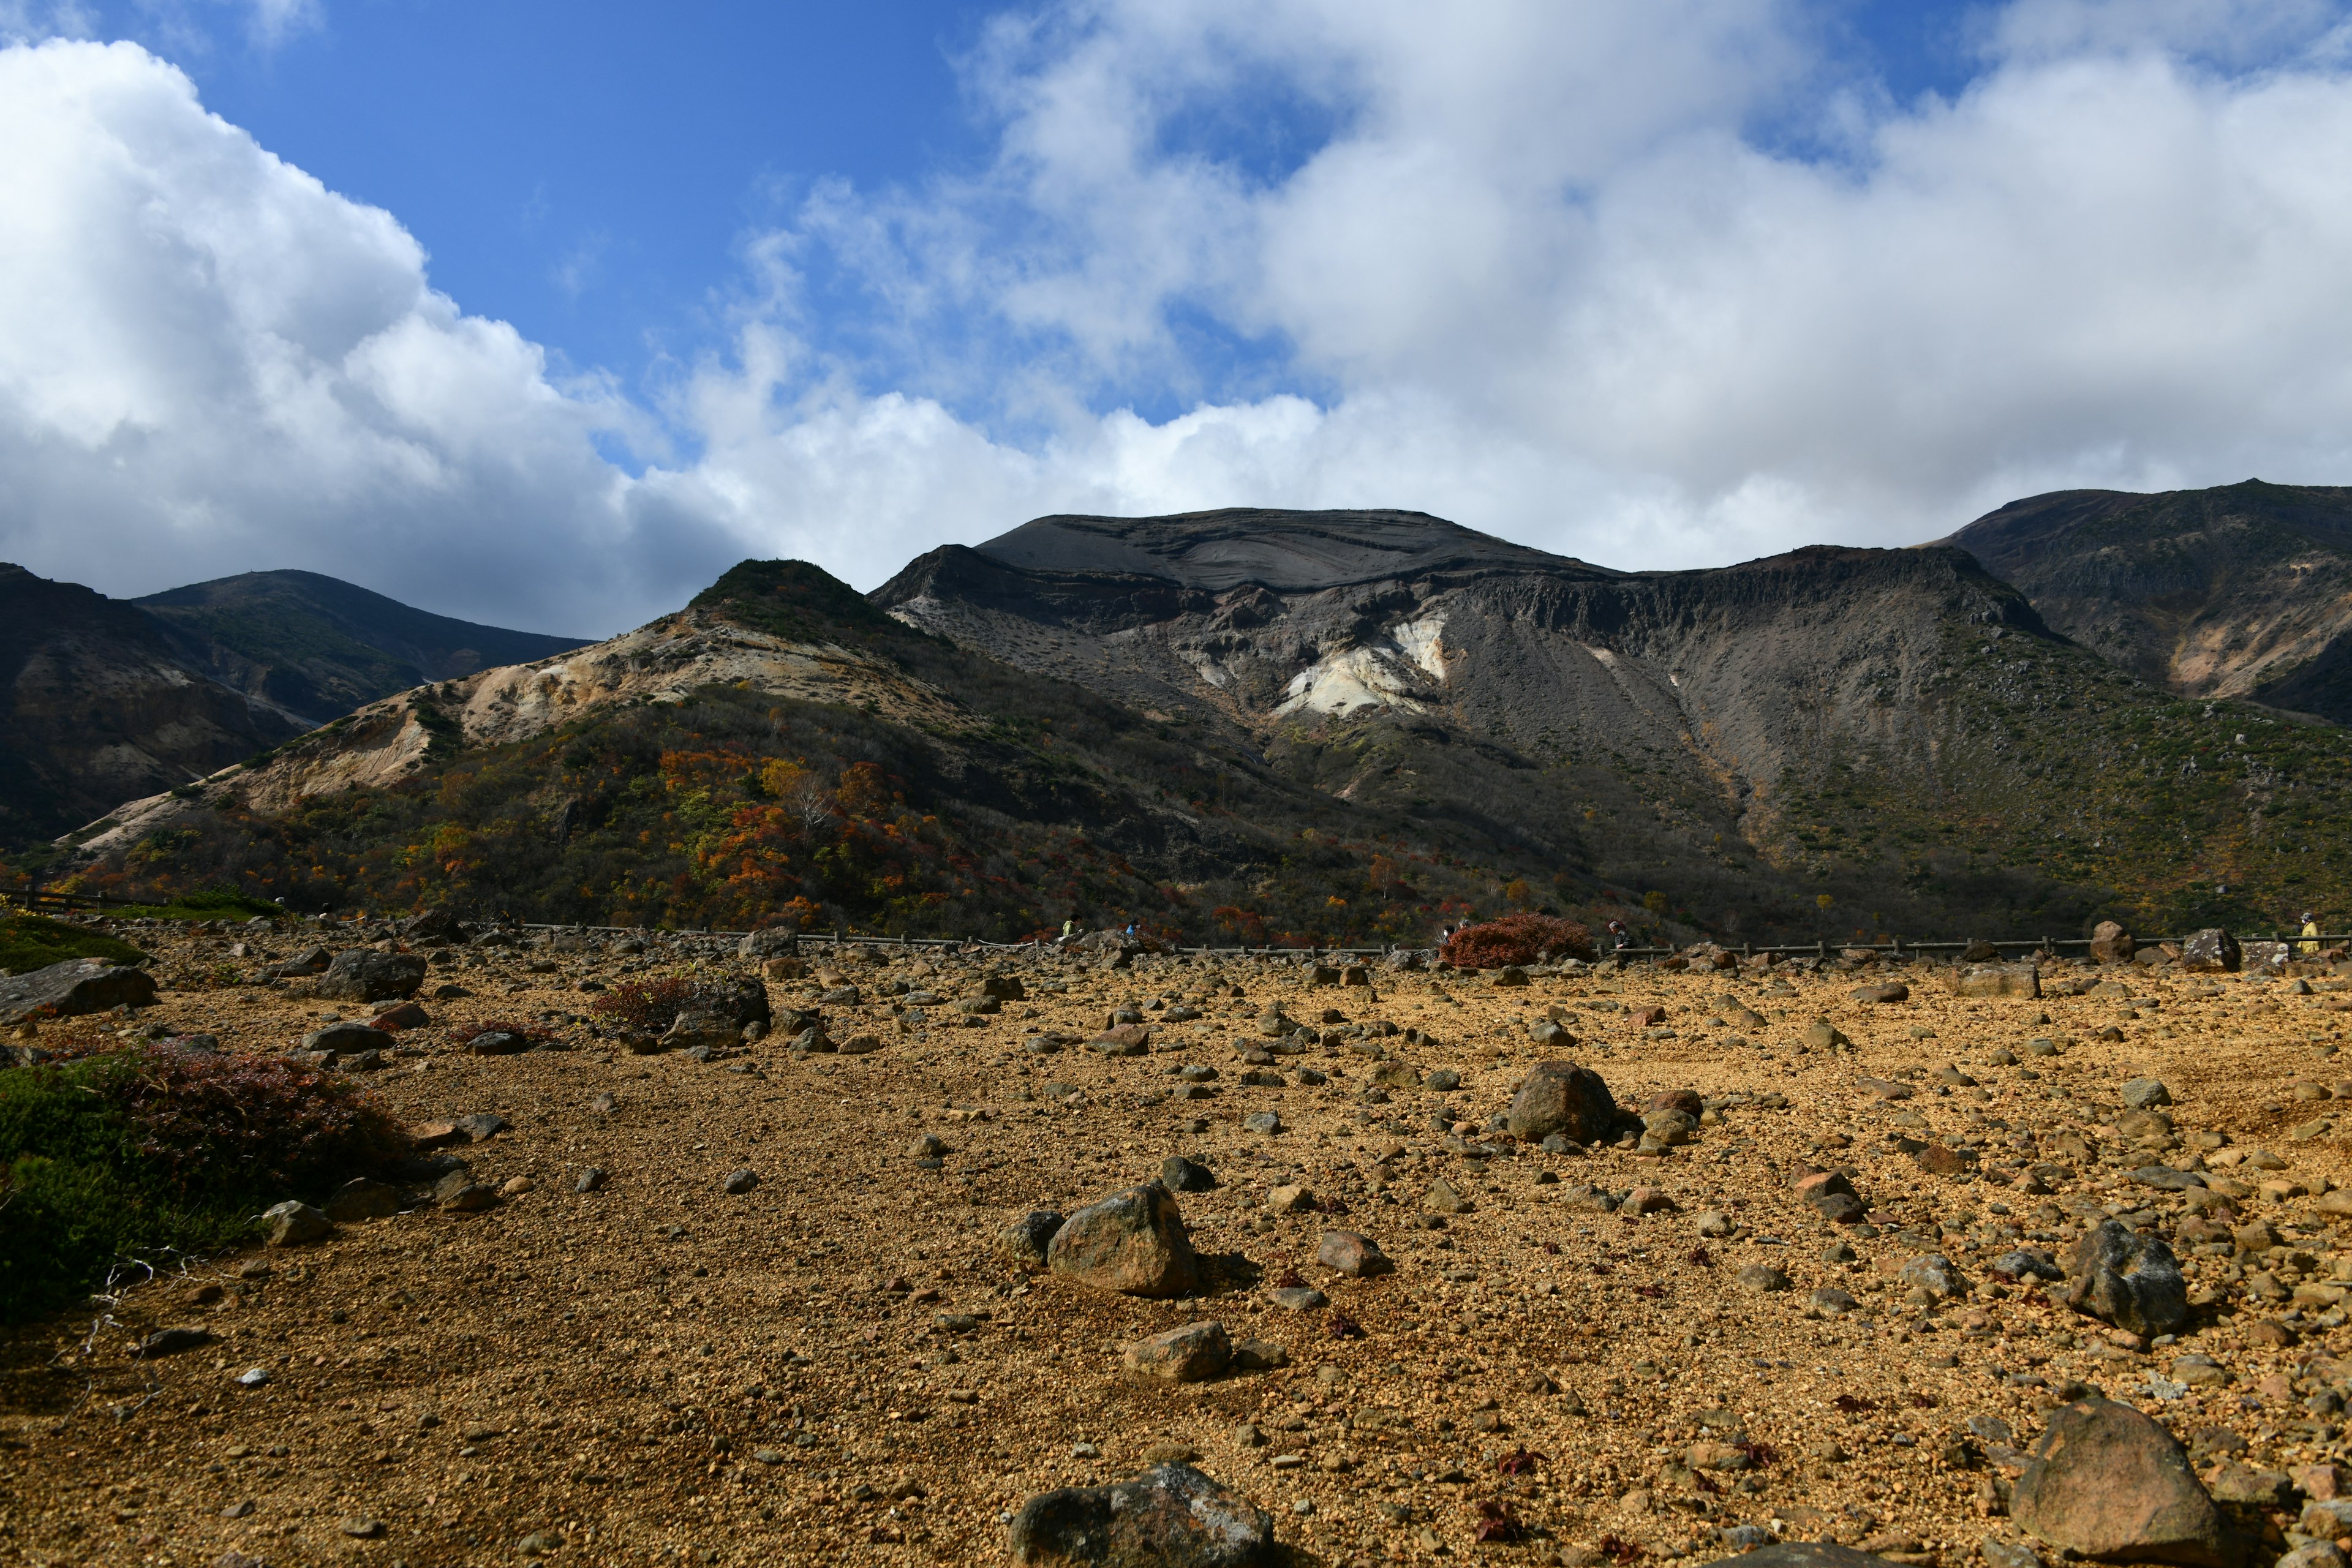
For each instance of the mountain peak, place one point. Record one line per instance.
(1288, 551)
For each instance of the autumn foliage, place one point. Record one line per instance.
(1517, 939)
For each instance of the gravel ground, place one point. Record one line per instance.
(834, 1365)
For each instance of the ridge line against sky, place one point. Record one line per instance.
(1655, 285)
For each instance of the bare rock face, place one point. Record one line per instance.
(2131, 1280)
(1132, 1242)
(1172, 1517)
(363, 974)
(1563, 1098)
(76, 986)
(2106, 1482)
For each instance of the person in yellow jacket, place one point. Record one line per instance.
(2310, 943)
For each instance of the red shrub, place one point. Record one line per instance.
(1517, 939)
(219, 1117)
(650, 1005)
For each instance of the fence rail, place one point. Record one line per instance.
(36, 897)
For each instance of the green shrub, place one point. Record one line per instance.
(111, 1154)
(36, 941)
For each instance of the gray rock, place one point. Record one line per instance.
(1831, 1302)
(591, 1180)
(363, 974)
(362, 1199)
(1933, 1272)
(1023, 1242)
(347, 1039)
(1259, 1355)
(499, 1043)
(460, 1193)
(1560, 1097)
(1192, 1353)
(294, 1224)
(2027, 1262)
(2000, 1554)
(2106, 1482)
(76, 987)
(930, 1146)
(1264, 1121)
(1132, 1242)
(1172, 1517)
(482, 1126)
(1443, 1197)
(2313, 1554)
(2165, 1179)
(1179, 1175)
(1762, 1277)
(739, 1181)
(2133, 1281)
(1803, 1554)
(2146, 1094)
(171, 1341)
(2211, 951)
(1297, 1298)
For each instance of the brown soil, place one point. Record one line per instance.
(660, 1371)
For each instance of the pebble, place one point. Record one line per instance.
(1297, 1298)
(741, 1181)
(1264, 1121)
(591, 1180)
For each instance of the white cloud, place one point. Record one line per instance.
(1549, 270)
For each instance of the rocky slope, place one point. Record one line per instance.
(95, 708)
(2240, 590)
(319, 648)
(780, 749)
(1884, 732)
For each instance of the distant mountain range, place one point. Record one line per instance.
(1356, 724)
(103, 699)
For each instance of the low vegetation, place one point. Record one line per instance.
(111, 1153)
(34, 941)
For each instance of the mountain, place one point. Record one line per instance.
(1323, 725)
(780, 749)
(315, 647)
(2240, 590)
(95, 707)
(1828, 742)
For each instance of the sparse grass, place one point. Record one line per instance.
(34, 941)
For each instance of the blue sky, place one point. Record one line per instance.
(545, 315)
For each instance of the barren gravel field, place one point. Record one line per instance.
(1587, 1353)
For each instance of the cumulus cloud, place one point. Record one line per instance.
(1667, 284)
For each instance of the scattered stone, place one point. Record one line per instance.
(2211, 952)
(1561, 1098)
(363, 974)
(1173, 1516)
(1883, 993)
(171, 1341)
(481, 1127)
(1297, 1298)
(2146, 1094)
(347, 1039)
(1290, 1198)
(1933, 1272)
(2133, 1281)
(1996, 980)
(1264, 1121)
(1351, 1254)
(1133, 1242)
(296, 1223)
(1443, 1197)
(591, 1180)
(1179, 1175)
(927, 1147)
(362, 1199)
(2106, 1482)
(739, 1181)
(1192, 1353)
(1761, 1277)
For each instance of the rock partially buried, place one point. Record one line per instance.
(363, 974)
(1351, 1254)
(1132, 1242)
(1172, 1517)
(294, 1224)
(1179, 1175)
(1802, 1554)
(1560, 1097)
(2106, 1482)
(2133, 1281)
(1022, 1243)
(76, 986)
(362, 1199)
(1192, 1353)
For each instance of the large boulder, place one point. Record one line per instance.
(1132, 1242)
(770, 941)
(436, 928)
(1563, 1098)
(744, 1002)
(1995, 980)
(363, 974)
(2106, 1482)
(2210, 951)
(2110, 943)
(77, 985)
(1173, 1517)
(2131, 1280)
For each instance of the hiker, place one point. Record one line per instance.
(2310, 943)
(1617, 935)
